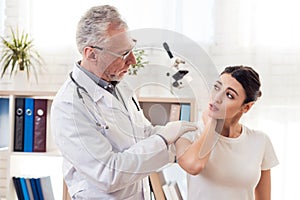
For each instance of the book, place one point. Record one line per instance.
(167, 191)
(47, 188)
(17, 185)
(24, 188)
(40, 125)
(4, 121)
(66, 195)
(174, 112)
(29, 188)
(39, 188)
(157, 181)
(28, 125)
(146, 188)
(34, 188)
(174, 191)
(19, 124)
(185, 112)
(174, 116)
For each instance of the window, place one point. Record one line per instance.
(269, 23)
(53, 23)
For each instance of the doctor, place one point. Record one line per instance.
(107, 144)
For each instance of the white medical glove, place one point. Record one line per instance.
(173, 130)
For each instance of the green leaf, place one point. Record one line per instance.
(18, 54)
(139, 57)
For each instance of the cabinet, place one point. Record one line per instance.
(32, 164)
(159, 111)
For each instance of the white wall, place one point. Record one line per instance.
(278, 63)
(229, 36)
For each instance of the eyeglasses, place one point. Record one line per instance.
(123, 56)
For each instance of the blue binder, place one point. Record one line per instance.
(24, 188)
(18, 188)
(34, 189)
(19, 125)
(39, 189)
(185, 112)
(28, 125)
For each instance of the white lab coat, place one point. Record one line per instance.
(104, 163)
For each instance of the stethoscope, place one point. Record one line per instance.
(102, 125)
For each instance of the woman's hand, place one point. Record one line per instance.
(207, 120)
(205, 116)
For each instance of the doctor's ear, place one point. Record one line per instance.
(92, 55)
(89, 53)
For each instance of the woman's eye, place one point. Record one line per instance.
(229, 96)
(216, 88)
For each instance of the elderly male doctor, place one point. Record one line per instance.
(108, 146)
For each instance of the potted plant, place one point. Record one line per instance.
(140, 63)
(18, 54)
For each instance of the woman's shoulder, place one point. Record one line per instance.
(193, 135)
(261, 139)
(255, 133)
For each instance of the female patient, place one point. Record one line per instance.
(225, 159)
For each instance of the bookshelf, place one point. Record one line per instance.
(160, 111)
(164, 103)
(48, 163)
(31, 164)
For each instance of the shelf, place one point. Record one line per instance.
(167, 101)
(37, 93)
(32, 164)
(36, 164)
(3, 149)
(52, 154)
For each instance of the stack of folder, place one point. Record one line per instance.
(33, 188)
(30, 125)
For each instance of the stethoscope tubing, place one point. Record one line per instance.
(78, 88)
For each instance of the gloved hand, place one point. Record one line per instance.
(173, 130)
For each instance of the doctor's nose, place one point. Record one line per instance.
(130, 60)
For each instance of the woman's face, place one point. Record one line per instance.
(227, 98)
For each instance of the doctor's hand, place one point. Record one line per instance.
(173, 130)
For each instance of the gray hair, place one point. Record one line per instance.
(93, 25)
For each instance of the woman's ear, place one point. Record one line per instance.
(246, 107)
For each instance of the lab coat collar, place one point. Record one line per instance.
(124, 89)
(94, 90)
